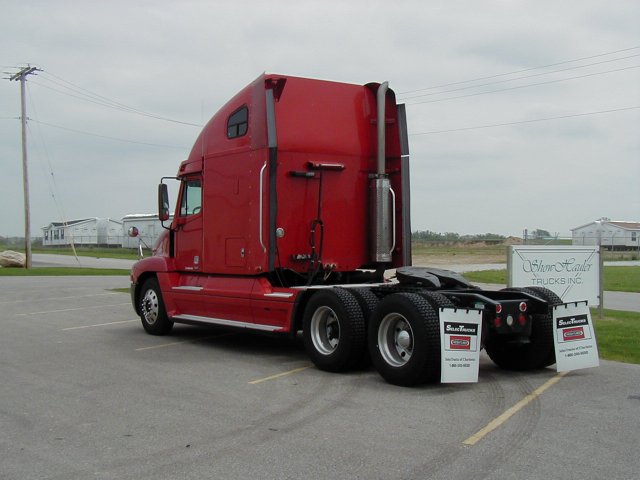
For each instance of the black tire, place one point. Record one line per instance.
(540, 352)
(368, 302)
(333, 330)
(151, 307)
(437, 300)
(404, 340)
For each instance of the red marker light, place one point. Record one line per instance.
(498, 308)
(522, 319)
(523, 306)
(497, 322)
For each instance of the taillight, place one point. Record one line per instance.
(523, 306)
(522, 319)
(497, 322)
(498, 308)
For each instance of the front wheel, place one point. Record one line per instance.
(333, 330)
(151, 307)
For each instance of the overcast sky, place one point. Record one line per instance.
(491, 63)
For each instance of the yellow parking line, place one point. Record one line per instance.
(278, 375)
(97, 325)
(496, 422)
(162, 345)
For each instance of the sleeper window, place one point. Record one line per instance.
(238, 123)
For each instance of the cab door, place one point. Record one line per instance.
(188, 226)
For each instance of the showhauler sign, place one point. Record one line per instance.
(460, 334)
(574, 338)
(573, 273)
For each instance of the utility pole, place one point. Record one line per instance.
(22, 76)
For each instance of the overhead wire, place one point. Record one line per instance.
(108, 137)
(91, 97)
(51, 179)
(524, 86)
(515, 72)
(478, 127)
(520, 78)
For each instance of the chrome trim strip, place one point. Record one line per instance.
(355, 285)
(260, 213)
(393, 223)
(229, 323)
(188, 288)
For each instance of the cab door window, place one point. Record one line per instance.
(191, 198)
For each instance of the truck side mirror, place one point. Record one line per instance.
(163, 202)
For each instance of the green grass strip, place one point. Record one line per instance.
(616, 279)
(61, 272)
(618, 335)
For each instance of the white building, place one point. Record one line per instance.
(149, 229)
(88, 231)
(610, 234)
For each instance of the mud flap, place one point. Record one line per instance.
(574, 337)
(460, 335)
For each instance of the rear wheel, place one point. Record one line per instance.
(368, 302)
(334, 330)
(540, 351)
(151, 307)
(404, 340)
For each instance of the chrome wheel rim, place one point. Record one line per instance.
(325, 330)
(395, 340)
(150, 307)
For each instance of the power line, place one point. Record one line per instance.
(51, 180)
(519, 71)
(525, 121)
(98, 99)
(107, 137)
(524, 86)
(521, 78)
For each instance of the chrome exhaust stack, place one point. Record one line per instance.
(382, 214)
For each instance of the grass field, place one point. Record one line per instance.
(618, 335)
(60, 271)
(126, 253)
(616, 279)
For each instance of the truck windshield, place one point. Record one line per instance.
(191, 198)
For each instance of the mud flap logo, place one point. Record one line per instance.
(459, 343)
(570, 334)
(460, 333)
(573, 337)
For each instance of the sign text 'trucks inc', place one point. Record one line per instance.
(573, 273)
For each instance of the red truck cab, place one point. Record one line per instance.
(275, 198)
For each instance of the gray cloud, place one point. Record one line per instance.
(183, 60)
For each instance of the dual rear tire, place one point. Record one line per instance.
(403, 339)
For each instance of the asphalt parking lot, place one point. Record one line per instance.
(85, 393)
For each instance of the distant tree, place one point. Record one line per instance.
(450, 237)
(429, 236)
(539, 233)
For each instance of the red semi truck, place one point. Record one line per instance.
(292, 205)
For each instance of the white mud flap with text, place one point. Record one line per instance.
(460, 339)
(574, 337)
